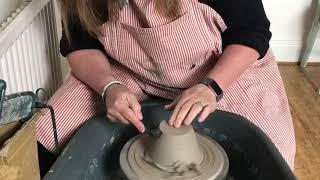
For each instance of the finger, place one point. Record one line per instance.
(117, 117)
(111, 118)
(194, 111)
(135, 106)
(133, 119)
(177, 108)
(183, 112)
(122, 119)
(205, 113)
(110, 115)
(172, 104)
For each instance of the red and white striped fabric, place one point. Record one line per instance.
(153, 54)
(159, 55)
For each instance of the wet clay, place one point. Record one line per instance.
(174, 154)
(178, 168)
(175, 145)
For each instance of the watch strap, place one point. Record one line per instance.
(214, 86)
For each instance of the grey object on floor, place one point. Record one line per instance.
(21, 106)
(93, 153)
(3, 87)
(311, 39)
(15, 107)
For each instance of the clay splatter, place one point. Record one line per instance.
(112, 140)
(93, 165)
(64, 151)
(103, 146)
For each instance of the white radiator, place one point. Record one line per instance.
(29, 56)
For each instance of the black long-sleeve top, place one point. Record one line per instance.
(246, 20)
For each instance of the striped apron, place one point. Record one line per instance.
(152, 54)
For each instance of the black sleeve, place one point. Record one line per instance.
(79, 39)
(247, 23)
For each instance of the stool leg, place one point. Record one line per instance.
(311, 39)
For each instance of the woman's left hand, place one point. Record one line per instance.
(195, 100)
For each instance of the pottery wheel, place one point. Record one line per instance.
(135, 162)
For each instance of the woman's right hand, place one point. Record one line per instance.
(122, 105)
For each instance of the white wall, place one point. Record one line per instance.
(7, 7)
(290, 20)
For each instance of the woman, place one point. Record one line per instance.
(204, 55)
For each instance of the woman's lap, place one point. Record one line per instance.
(74, 103)
(258, 96)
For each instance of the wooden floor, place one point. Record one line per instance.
(302, 88)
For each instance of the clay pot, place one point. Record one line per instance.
(175, 145)
(174, 153)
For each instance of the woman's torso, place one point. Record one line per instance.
(155, 54)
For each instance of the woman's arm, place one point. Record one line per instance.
(90, 64)
(233, 62)
(245, 40)
(85, 56)
(92, 67)
(246, 21)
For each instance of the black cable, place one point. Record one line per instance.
(42, 105)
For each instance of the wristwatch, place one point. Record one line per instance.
(214, 86)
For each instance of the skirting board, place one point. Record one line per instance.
(289, 51)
